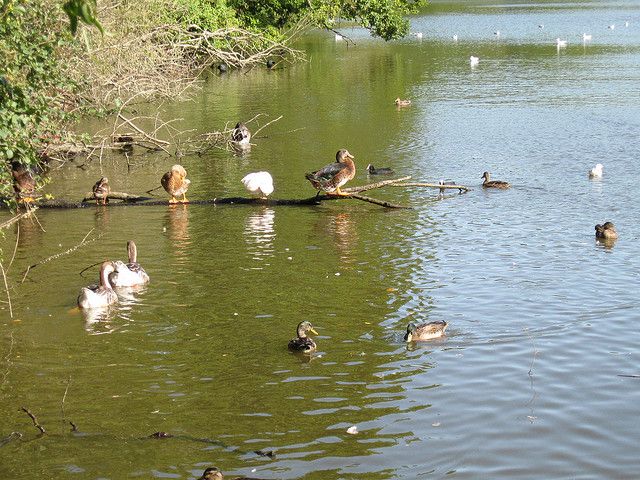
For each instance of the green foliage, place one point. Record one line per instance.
(206, 14)
(30, 82)
(83, 10)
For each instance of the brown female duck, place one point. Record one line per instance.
(101, 191)
(371, 170)
(176, 183)
(606, 231)
(426, 331)
(331, 177)
(24, 182)
(488, 183)
(102, 295)
(302, 343)
(213, 473)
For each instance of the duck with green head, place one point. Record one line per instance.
(425, 331)
(302, 343)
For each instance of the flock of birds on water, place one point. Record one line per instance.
(474, 61)
(328, 179)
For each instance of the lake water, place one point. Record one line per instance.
(542, 319)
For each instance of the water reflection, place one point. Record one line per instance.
(177, 227)
(28, 232)
(342, 228)
(259, 233)
(98, 321)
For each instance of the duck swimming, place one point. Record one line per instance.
(101, 191)
(176, 183)
(101, 296)
(596, 172)
(128, 274)
(493, 183)
(371, 170)
(426, 331)
(331, 177)
(241, 134)
(212, 473)
(259, 183)
(302, 343)
(402, 103)
(606, 231)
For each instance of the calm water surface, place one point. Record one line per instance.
(543, 320)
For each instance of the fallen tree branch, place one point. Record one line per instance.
(57, 255)
(126, 197)
(371, 186)
(6, 288)
(377, 202)
(34, 420)
(14, 219)
(439, 186)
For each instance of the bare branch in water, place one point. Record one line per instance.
(34, 420)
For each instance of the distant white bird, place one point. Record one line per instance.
(586, 37)
(626, 24)
(473, 61)
(612, 27)
(339, 37)
(418, 35)
(497, 33)
(596, 172)
(541, 26)
(455, 38)
(259, 183)
(561, 43)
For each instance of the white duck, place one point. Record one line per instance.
(561, 43)
(586, 37)
(102, 295)
(473, 61)
(259, 183)
(596, 172)
(129, 274)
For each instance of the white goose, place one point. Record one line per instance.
(129, 274)
(259, 183)
(99, 296)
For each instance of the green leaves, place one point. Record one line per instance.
(83, 10)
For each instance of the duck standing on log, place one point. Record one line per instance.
(176, 183)
(24, 182)
(101, 191)
(259, 184)
(331, 177)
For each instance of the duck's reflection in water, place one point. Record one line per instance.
(99, 321)
(177, 227)
(28, 232)
(259, 234)
(341, 227)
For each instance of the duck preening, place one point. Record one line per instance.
(425, 331)
(259, 183)
(371, 170)
(129, 274)
(102, 295)
(606, 231)
(302, 343)
(331, 177)
(241, 134)
(101, 191)
(488, 183)
(176, 184)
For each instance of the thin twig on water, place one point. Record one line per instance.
(6, 288)
(34, 420)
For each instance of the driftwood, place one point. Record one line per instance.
(125, 197)
(439, 186)
(14, 219)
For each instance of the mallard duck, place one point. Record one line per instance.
(101, 296)
(402, 103)
(241, 134)
(606, 231)
(371, 170)
(493, 183)
(128, 274)
(426, 331)
(176, 183)
(101, 191)
(302, 343)
(24, 182)
(259, 183)
(213, 473)
(331, 177)
(596, 172)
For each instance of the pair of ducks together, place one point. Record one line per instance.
(426, 331)
(113, 274)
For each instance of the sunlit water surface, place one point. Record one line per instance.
(543, 320)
